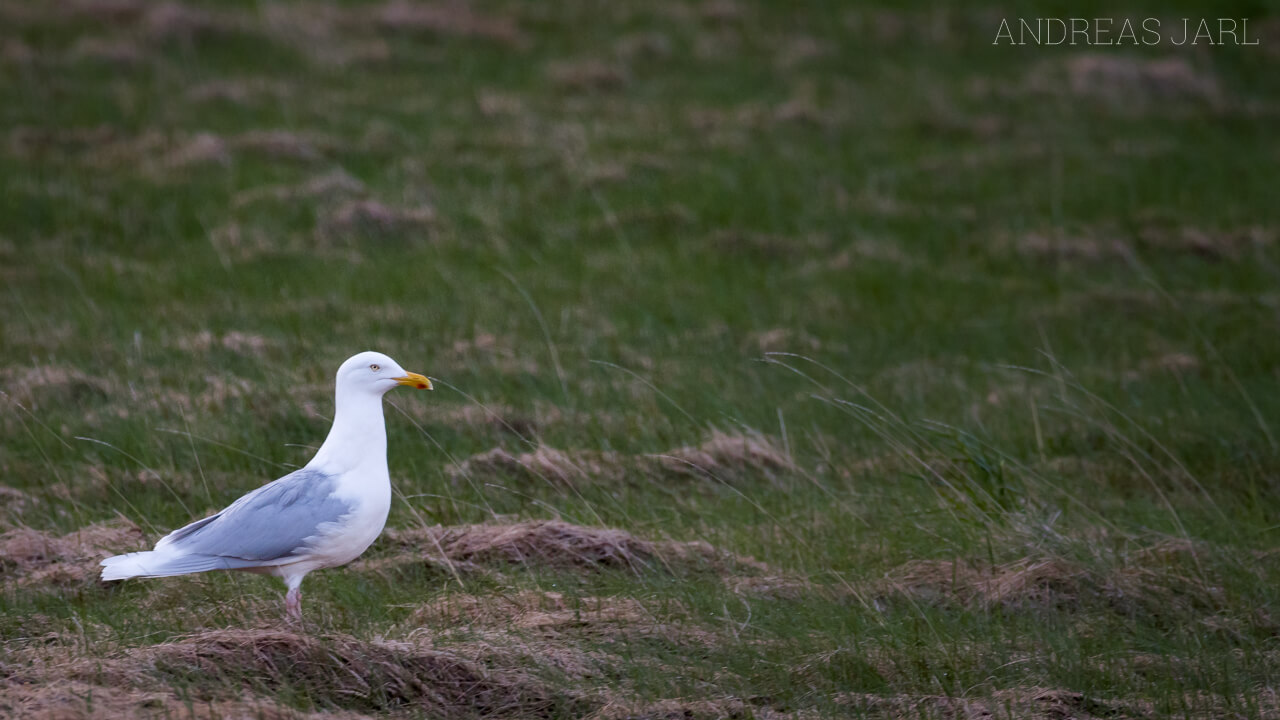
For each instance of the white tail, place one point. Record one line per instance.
(166, 562)
(138, 564)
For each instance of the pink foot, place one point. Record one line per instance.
(293, 603)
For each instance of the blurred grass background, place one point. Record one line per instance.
(984, 305)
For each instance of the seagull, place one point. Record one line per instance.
(323, 515)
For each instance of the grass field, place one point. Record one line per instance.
(794, 360)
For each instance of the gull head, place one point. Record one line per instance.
(374, 373)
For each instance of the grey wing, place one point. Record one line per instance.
(270, 523)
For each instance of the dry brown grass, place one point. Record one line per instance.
(546, 612)
(338, 35)
(738, 126)
(586, 76)
(643, 46)
(73, 700)
(1117, 77)
(151, 152)
(108, 12)
(1126, 84)
(1211, 244)
(549, 653)
(557, 544)
(13, 501)
(1177, 363)
(34, 386)
(503, 353)
(572, 638)
(371, 215)
(1110, 244)
(544, 463)
(327, 33)
(767, 245)
(722, 457)
(158, 20)
(331, 185)
(1064, 247)
(1028, 703)
(354, 674)
(32, 558)
(233, 340)
(545, 543)
(728, 453)
(237, 242)
(773, 585)
(239, 91)
(784, 339)
(177, 21)
(448, 18)
(493, 103)
(218, 392)
(1043, 582)
(687, 709)
(603, 173)
(114, 51)
(157, 154)
(523, 423)
(797, 50)
(865, 249)
(1159, 580)
(284, 144)
(200, 149)
(16, 52)
(219, 668)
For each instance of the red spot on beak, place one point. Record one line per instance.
(421, 386)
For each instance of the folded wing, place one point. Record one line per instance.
(271, 523)
(269, 526)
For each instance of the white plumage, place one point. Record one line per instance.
(324, 515)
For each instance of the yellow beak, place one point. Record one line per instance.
(421, 382)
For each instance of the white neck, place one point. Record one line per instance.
(358, 435)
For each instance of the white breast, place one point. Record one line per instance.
(369, 494)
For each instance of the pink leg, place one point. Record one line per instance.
(293, 603)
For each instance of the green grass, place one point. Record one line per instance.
(999, 311)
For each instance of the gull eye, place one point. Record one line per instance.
(374, 368)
